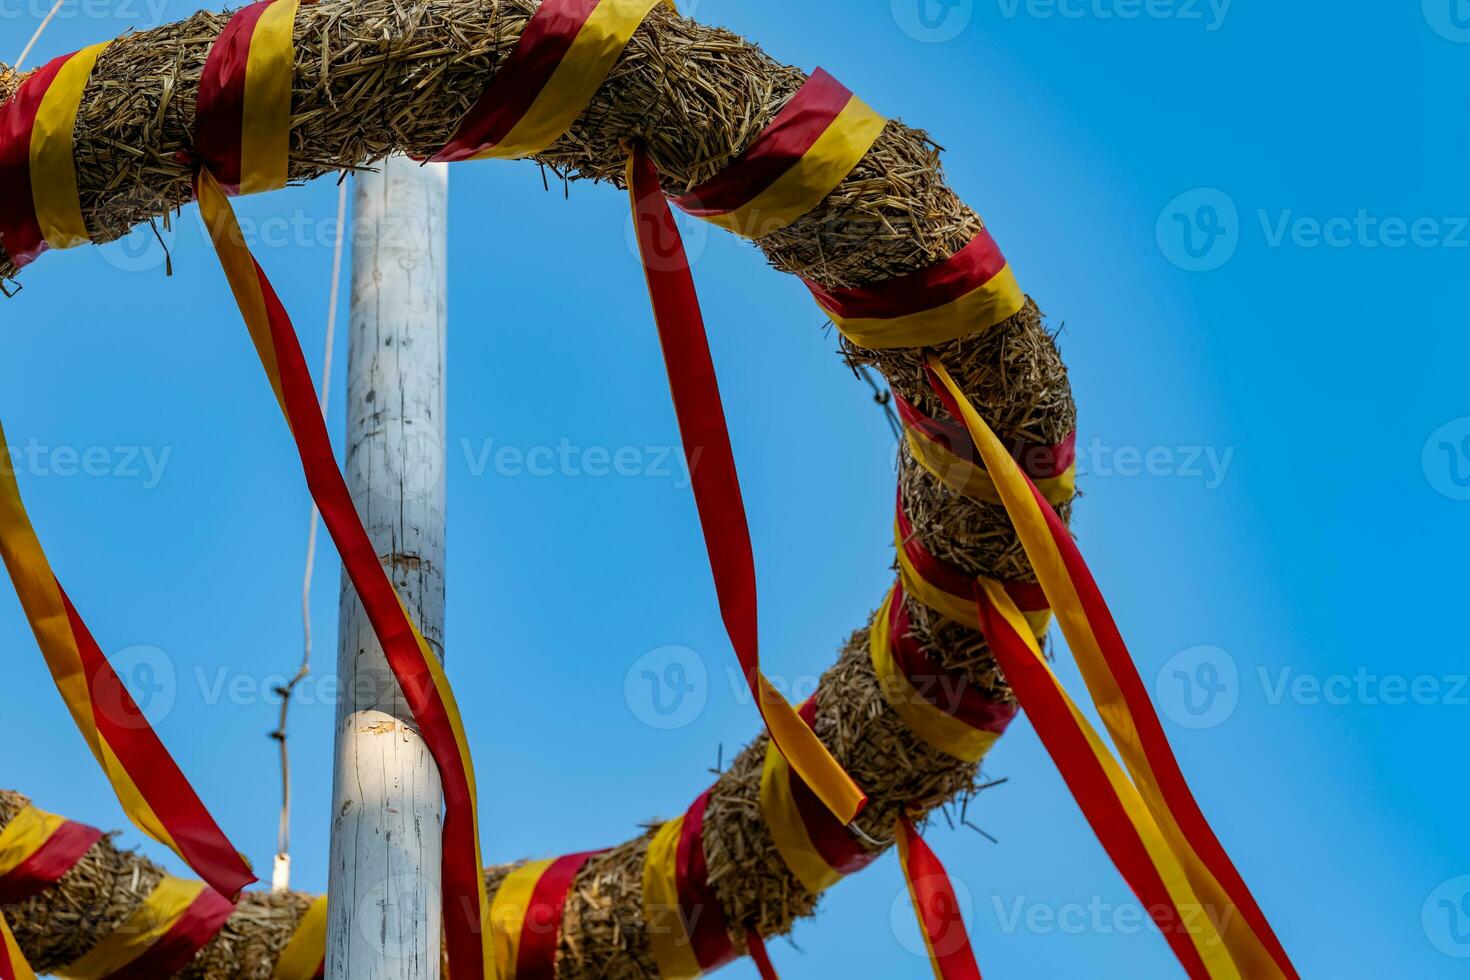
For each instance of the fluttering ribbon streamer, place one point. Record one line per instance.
(1107, 797)
(559, 62)
(756, 947)
(305, 955)
(153, 791)
(810, 146)
(159, 938)
(687, 932)
(706, 441)
(37, 849)
(972, 290)
(940, 706)
(13, 965)
(947, 452)
(425, 687)
(243, 119)
(41, 207)
(936, 906)
(526, 916)
(1121, 698)
(815, 847)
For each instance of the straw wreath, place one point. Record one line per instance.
(375, 77)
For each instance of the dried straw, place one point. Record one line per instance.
(377, 77)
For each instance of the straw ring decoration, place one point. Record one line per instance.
(854, 205)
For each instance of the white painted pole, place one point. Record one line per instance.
(384, 896)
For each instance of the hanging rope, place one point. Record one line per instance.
(281, 877)
(25, 52)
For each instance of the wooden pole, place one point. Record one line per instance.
(384, 895)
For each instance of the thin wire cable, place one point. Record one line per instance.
(282, 878)
(45, 23)
(883, 398)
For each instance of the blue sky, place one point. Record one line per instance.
(1247, 216)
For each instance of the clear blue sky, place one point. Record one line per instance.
(1250, 218)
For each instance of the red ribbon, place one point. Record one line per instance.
(177, 947)
(950, 691)
(220, 111)
(937, 907)
(1040, 461)
(962, 273)
(1161, 760)
(809, 114)
(20, 229)
(541, 928)
(49, 863)
(547, 38)
(705, 435)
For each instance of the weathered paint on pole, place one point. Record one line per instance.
(385, 906)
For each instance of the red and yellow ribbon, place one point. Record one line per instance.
(37, 849)
(13, 965)
(938, 705)
(1122, 699)
(526, 916)
(687, 931)
(716, 483)
(304, 957)
(949, 590)
(425, 686)
(937, 907)
(559, 62)
(254, 61)
(1107, 797)
(243, 117)
(817, 849)
(41, 207)
(159, 939)
(972, 290)
(153, 791)
(802, 156)
(947, 452)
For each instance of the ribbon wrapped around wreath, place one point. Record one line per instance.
(243, 133)
(36, 136)
(157, 939)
